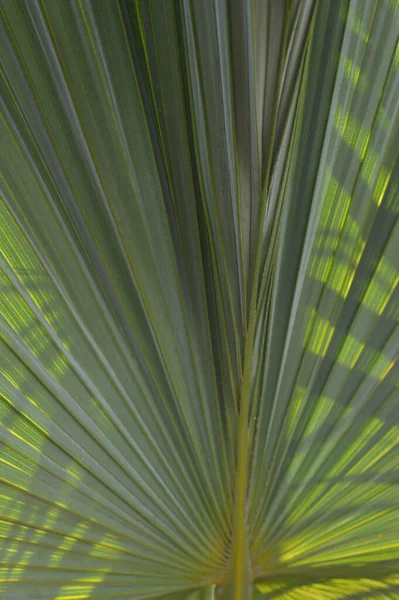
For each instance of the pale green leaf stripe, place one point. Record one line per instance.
(129, 427)
(199, 268)
(326, 474)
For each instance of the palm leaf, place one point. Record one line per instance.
(199, 245)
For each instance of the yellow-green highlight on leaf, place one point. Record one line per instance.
(199, 269)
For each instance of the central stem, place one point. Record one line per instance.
(238, 582)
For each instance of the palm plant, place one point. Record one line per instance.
(199, 295)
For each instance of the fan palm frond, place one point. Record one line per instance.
(199, 246)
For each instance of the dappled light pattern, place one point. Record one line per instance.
(172, 172)
(331, 473)
(110, 432)
(334, 589)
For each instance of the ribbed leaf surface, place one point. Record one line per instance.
(199, 248)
